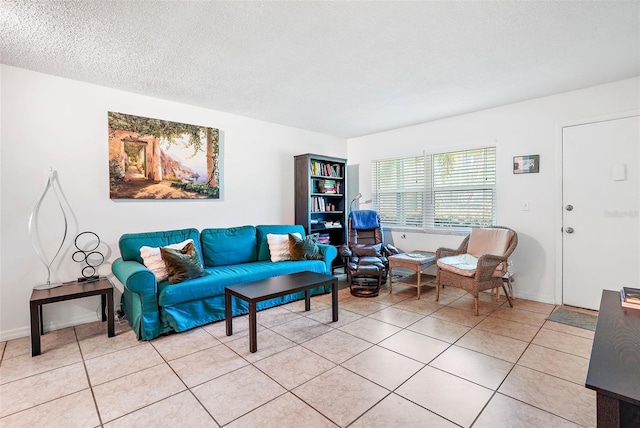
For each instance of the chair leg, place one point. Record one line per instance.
(438, 284)
(475, 304)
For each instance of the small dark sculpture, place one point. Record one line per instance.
(88, 255)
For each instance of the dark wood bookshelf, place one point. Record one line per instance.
(320, 197)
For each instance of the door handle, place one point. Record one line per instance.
(569, 229)
(569, 207)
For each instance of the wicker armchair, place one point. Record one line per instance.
(478, 264)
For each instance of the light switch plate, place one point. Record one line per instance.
(619, 172)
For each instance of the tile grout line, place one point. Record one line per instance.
(183, 382)
(372, 344)
(86, 372)
(496, 391)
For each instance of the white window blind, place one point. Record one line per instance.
(442, 190)
(399, 190)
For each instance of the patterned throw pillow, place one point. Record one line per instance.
(182, 264)
(304, 249)
(279, 246)
(153, 260)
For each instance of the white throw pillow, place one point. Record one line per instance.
(279, 246)
(153, 260)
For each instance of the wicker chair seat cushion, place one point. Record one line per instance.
(489, 241)
(464, 265)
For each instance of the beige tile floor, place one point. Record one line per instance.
(389, 361)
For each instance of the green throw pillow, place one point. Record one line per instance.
(304, 248)
(182, 264)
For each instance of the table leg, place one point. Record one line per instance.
(307, 300)
(253, 333)
(334, 300)
(103, 301)
(390, 279)
(36, 320)
(41, 320)
(419, 280)
(510, 285)
(608, 411)
(111, 313)
(227, 313)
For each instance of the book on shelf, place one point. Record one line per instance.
(326, 169)
(628, 298)
(631, 295)
(323, 238)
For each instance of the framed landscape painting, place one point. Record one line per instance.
(159, 159)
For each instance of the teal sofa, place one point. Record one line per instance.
(231, 256)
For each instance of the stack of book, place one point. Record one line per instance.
(327, 186)
(630, 297)
(323, 238)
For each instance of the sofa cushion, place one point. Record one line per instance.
(152, 258)
(130, 243)
(229, 246)
(465, 265)
(462, 264)
(364, 250)
(222, 276)
(279, 246)
(182, 264)
(489, 241)
(278, 229)
(304, 248)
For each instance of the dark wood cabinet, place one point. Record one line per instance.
(320, 198)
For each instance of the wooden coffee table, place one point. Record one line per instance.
(277, 286)
(416, 261)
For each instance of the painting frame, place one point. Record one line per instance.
(529, 164)
(157, 159)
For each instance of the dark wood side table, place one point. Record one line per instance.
(614, 366)
(69, 291)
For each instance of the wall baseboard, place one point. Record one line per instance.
(25, 331)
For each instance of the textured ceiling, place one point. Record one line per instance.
(340, 68)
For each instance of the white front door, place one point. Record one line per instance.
(600, 192)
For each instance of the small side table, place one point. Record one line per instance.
(507, 279)
(69, 291)
(417, 261)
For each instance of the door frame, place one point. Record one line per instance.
(558, 192)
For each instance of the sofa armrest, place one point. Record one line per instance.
(135, 277)
(329, 252)
(487, 264)
(140, 297)
(447, 252)
(344, 251)
(390, 250)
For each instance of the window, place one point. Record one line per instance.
(443, 190)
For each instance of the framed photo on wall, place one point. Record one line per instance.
(526, 164)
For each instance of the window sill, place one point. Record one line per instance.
(428, 231)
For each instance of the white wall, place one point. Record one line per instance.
(526, 128)
(49, 121)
